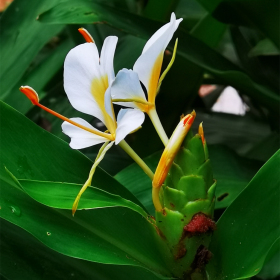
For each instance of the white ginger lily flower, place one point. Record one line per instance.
(87, 83)
(126, 89)
(87, 80)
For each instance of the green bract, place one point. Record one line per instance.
(188, 191)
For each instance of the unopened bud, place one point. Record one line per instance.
(172, 149)
(170, 152)
(201, 133)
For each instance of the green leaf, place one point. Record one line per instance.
(139, 184)
(209, 30)
(271, 268)
(191, 11)
(266, 148)
(22, 36)
(243, 43)
(38, 77)
(215, 64)
(258, 14)
(30, 152)
(86, 11)
(231, 172)
(62, 196)
(250, 129)
(24, 257)
(249, 227)
(106, 235)
(255, 13)
(160, 9)
(264, 47)
(189, 47)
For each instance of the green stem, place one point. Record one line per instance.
(158, 126)
(123, 144)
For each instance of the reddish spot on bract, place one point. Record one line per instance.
(200, 224)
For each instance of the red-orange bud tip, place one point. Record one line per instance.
(86, 35)
(201, 133)
(188, 119)
(31, 94)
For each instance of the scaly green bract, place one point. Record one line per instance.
(188, 190)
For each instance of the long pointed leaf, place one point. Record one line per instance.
(100, 235)
(249, 227)
(24, 257)
(62, 196)
(29, 152)
(22, 36)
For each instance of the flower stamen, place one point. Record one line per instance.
(34, 98)
(136, 100)
(168, 67)
(105, 147)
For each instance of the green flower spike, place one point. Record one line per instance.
(185, 202)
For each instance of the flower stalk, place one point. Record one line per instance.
(158, 126)
(123, 144)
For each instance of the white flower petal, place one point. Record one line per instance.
(128, 120)
(107, 57)
(81, 67)
(108, 104)
(148, 65)
(127, 86)
(81, 138)
(161, 31)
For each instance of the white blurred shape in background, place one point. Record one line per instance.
(230, 102)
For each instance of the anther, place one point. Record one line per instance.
(86, 35)
(31, 94)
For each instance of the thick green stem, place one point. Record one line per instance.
(158, 126)
(123, 144)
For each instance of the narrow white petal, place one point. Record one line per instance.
(127, 86)
(81, 138)
(148, 65)
(128, 120)
(160, 32)
(107, 57)
(81, 67)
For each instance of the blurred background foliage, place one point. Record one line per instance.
(221, 43)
